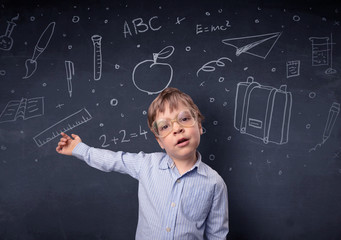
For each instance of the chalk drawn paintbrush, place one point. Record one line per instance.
(43, 41)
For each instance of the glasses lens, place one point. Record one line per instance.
(162, 127)
(186, 118)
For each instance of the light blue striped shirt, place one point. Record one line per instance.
(171, 206)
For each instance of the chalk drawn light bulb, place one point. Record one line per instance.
(6, 41)
(151, 75)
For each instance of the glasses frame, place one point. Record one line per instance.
(193, 114)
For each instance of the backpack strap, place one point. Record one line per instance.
(249, 88)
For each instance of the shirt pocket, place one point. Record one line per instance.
(196, 203)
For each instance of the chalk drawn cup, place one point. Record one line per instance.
(152, 71)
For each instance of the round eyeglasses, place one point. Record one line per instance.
(163, 127)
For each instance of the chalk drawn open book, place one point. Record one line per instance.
(24, 109)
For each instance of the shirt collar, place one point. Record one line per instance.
(200, 166)
(167, 163)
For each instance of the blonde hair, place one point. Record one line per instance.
(172, 97)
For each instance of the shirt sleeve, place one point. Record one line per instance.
(217, 224)
(108, 161)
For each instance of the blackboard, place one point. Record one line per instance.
(266, 76)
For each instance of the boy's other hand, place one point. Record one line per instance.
(67, 144)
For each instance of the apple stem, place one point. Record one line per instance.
(155, 57)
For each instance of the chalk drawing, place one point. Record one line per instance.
(322, 52)
(123, 137)
(293, 68)
(179, 20)
(74, 120)
(263, 112)
(333, 113)
(96, 40)
(43, 41)
(6, 41)
(70, 71)
(258, 45)
(24, 109)
(207, 67)
(212, 28)
(140, 26)
(153, 71)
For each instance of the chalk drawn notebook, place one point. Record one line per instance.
(24, 109)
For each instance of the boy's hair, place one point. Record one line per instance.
(172, 97)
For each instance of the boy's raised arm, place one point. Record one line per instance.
(66, 144)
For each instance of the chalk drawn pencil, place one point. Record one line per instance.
(333, 113)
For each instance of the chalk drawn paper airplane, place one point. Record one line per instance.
(258, 45)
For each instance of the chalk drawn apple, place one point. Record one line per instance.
(152, 76)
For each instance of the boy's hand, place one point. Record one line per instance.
(67, 144)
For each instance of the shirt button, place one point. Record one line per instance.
(178, 181)
(168, 229)
(173, 204)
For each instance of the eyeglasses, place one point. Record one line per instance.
(163, 127)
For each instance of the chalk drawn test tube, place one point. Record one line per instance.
(96, 40)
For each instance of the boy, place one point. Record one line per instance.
(180, 197)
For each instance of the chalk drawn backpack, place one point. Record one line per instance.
(263, 111)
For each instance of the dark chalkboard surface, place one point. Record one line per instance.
(266, 75)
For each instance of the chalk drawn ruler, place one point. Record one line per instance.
(74, 120)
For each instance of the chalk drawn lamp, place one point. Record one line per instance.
(151, 75)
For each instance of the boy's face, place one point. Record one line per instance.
(182, 142)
